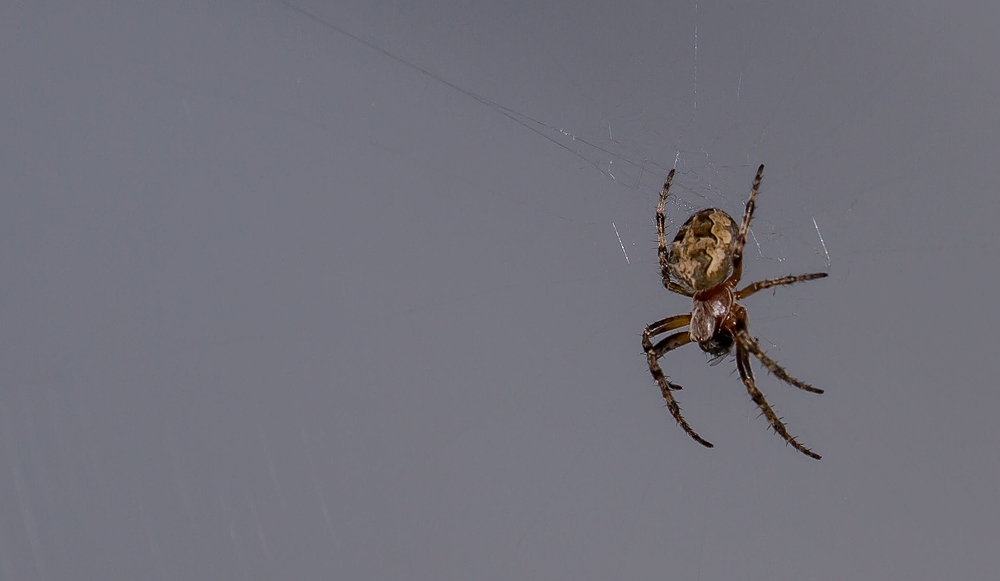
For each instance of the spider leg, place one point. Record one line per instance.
(750, 344)
(654, 352)
(661, 348)
(668, 324)
(746, 374)
(662, 239)
(745, 226)
(664, 345)
(765, 284)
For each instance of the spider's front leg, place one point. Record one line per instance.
(658, 350)
(746, 374)
(750, 345)
(662, 347)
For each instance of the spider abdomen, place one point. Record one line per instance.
(701, 253)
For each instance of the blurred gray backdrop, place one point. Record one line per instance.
(354, 290)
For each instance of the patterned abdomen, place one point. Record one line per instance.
(701, 253)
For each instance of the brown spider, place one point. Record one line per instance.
(705, 262)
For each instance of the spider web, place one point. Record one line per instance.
(630, 138)
(710, 119)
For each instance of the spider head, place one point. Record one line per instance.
(709, 313)
(719, 344)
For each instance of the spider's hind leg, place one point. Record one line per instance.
(661, 239)
(741, 241)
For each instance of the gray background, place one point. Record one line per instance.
(280, 302)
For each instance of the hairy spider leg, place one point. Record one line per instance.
(745, 228)
(751, 345)
(660, 327)
(746, 374)
(669, 324)
(662, 240)
(765, 284)
(653, 353)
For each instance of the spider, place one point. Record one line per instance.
(705, 262)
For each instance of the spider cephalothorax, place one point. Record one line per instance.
(705, 262)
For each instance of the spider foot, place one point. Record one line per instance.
(807, 451)
(694, 436)
(791, 440)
